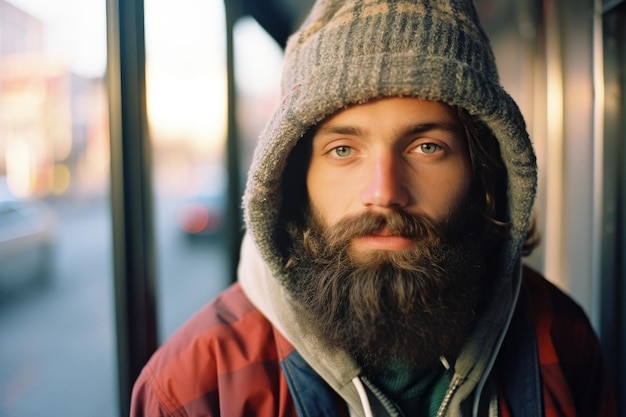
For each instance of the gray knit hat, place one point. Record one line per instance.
(349, 52)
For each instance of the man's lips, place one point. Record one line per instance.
(382, 239)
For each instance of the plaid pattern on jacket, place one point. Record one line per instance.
(228, 360)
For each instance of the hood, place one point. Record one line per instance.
(349, 52)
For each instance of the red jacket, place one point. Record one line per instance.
(229, 360)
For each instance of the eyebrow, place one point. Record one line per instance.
(410, 130)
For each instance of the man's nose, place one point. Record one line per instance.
(385, 185)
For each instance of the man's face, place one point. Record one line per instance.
(387, 155)
(384, 264)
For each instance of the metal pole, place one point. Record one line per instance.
(234, 10)
(131, 197)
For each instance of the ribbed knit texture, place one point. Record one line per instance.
(414, 390)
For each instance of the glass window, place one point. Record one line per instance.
(187, 111)
(57, 349)
(186, 100)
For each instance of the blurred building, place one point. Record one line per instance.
(51, 121)
(19, 31)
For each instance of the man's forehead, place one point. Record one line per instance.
(408, 115)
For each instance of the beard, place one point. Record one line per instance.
(412, 305)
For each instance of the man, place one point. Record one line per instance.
(387, 210)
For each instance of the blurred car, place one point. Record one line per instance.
(203, 214)
(27, 236)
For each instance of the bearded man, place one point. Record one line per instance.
(387, 209)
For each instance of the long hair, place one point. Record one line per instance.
(491, 181)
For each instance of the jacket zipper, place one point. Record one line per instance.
(445, 403)
(388, 405)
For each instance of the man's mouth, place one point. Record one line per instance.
(382, 239)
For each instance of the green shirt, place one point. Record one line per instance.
(417, 392)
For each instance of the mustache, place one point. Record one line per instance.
(397, 223)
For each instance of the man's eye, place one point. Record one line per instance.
(429, 148)
(342, 151)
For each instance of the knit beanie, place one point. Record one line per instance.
(349, 52)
